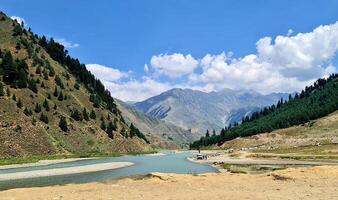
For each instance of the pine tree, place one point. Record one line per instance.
(2, 92)
(63, 124)
(46, 105)
(8, 92)
(14, 97)
(207, 134)
(85, 114)
(28, 111)
(45, 74)
(103, 125)
(56, 93)
(76, 86)
(76, 115)
(110, 129)
(19, 103)
(38, 70)
(92, 115)
(37, 108)
(44, 118)
(32, 85)
(60, 98)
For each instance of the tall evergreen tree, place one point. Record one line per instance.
(63, 124)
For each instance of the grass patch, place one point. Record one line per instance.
(36, 158)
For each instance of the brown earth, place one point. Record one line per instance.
(301, 183)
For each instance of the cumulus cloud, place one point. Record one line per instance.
(20, 20)
(105, 73)
(282, 64)
(287, 63)
(66, 43)
(174, 65)
(136, 90)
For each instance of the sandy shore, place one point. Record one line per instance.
(64, 171)
(43, 162)
(295, 183)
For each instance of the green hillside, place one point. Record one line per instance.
(313, 102)
(51, 104)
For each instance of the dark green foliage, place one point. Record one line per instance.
(19, 103)
(58, 53)
(56, 93)
(2, 92)
(103, 125)
(85, 114)
(14, 97)
(110, 130)
(45, 74)
(95, 100)
(49, 96)
(60, 98)
(44, 118)
(92, 115)
(46, 105)
(8, 92)
(51, 71)
(15, 72)
(76, 86)
(38, 70)
(63, 124)
(37, 108)
(32, 85)
(76, 115)
(312, 103)
(42, 84)
(17, 30)
(59, 82)
(28, 112)
(136, 132)
(55, 107)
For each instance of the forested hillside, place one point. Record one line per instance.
(313, 102)
(50, 103)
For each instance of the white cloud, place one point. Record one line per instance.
(286, 64)
(105, 73)
(67, 44)
(134, 90)
(19, 20)
(174, 65)
(146, 68)
(283, 64)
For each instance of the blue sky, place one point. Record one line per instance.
(175, 37)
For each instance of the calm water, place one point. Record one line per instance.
(169, 163)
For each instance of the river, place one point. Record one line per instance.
(143, 164)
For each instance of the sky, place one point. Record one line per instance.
(140, 48)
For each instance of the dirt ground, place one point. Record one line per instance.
(294, 183)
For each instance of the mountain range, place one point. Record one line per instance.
(197, 111)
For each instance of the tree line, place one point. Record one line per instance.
(315, 101)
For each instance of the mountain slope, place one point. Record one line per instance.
(313, 102)
(51, 104)
(198, 111)
(167, 134)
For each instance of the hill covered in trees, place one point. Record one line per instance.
(50, 103)
(313, 102)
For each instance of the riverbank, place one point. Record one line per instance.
(248, 162)
(64, 171)
(294, 183)
(50, 158)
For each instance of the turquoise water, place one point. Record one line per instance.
(169, 163)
